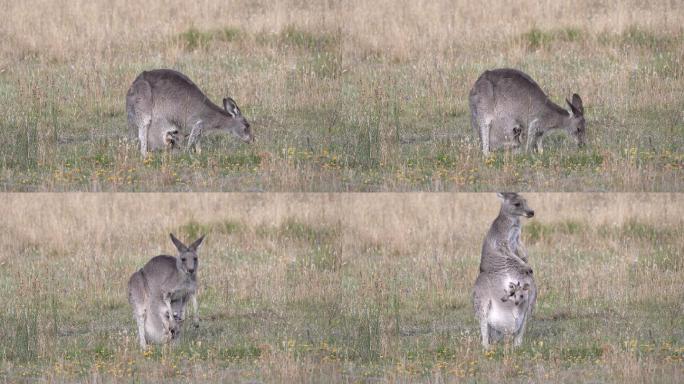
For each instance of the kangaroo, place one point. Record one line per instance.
(502, 248)
(506, 106)
(175, 277)
(165, 106)
(502, 316)
(153, 313)
(504, 262)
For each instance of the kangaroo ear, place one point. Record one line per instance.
(179, 245)
(231, 107)
(575, 105)
(577, 102)
(503, 196)
(196, 244)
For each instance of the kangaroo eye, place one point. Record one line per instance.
(517, 204)
(183, 259)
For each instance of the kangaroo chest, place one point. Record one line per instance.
(183, 289)
(514, 237)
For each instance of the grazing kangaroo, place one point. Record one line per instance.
(506, 315)
(508, 108)
(166, 107)
(153, 313)
(174, 278)
(504, 262)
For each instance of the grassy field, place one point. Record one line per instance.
(341, 288)
(342, 96)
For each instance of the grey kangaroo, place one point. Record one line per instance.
(165, 107)
(153, 313)
(504, 262)
(502, 247)
(174, 278)
(509, 110)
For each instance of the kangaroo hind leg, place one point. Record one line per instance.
(139, 110)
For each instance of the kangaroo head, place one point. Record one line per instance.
(516, 292)
(576, 126)
(187, 255)
(513, 204)
(236, 123)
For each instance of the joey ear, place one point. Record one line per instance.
(231, 107)
(166, 296)
(179, 244)
(196, 244)
(526, 287)
(505, 298)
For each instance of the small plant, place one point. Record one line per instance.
(537, 39)
(194, 38)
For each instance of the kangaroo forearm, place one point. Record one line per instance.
(521, 252)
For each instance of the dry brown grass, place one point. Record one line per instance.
(343, 96)
(341, 287)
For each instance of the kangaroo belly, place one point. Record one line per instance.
(505, 133)
(505, 319)
(156, 335)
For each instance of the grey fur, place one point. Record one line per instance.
(173, 278)
(509, 110)
(504, 269)
(153, 314)
(166, 108)
(502, 248)
(503, 305)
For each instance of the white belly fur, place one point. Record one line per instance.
(505, 317)
(155, 335)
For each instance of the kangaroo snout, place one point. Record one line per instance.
(530, 214)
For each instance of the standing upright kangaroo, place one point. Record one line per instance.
(507, 106)
(174, 278)
(502, 246)
(504, 268)
(165, 107)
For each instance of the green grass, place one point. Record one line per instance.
(194, 38)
